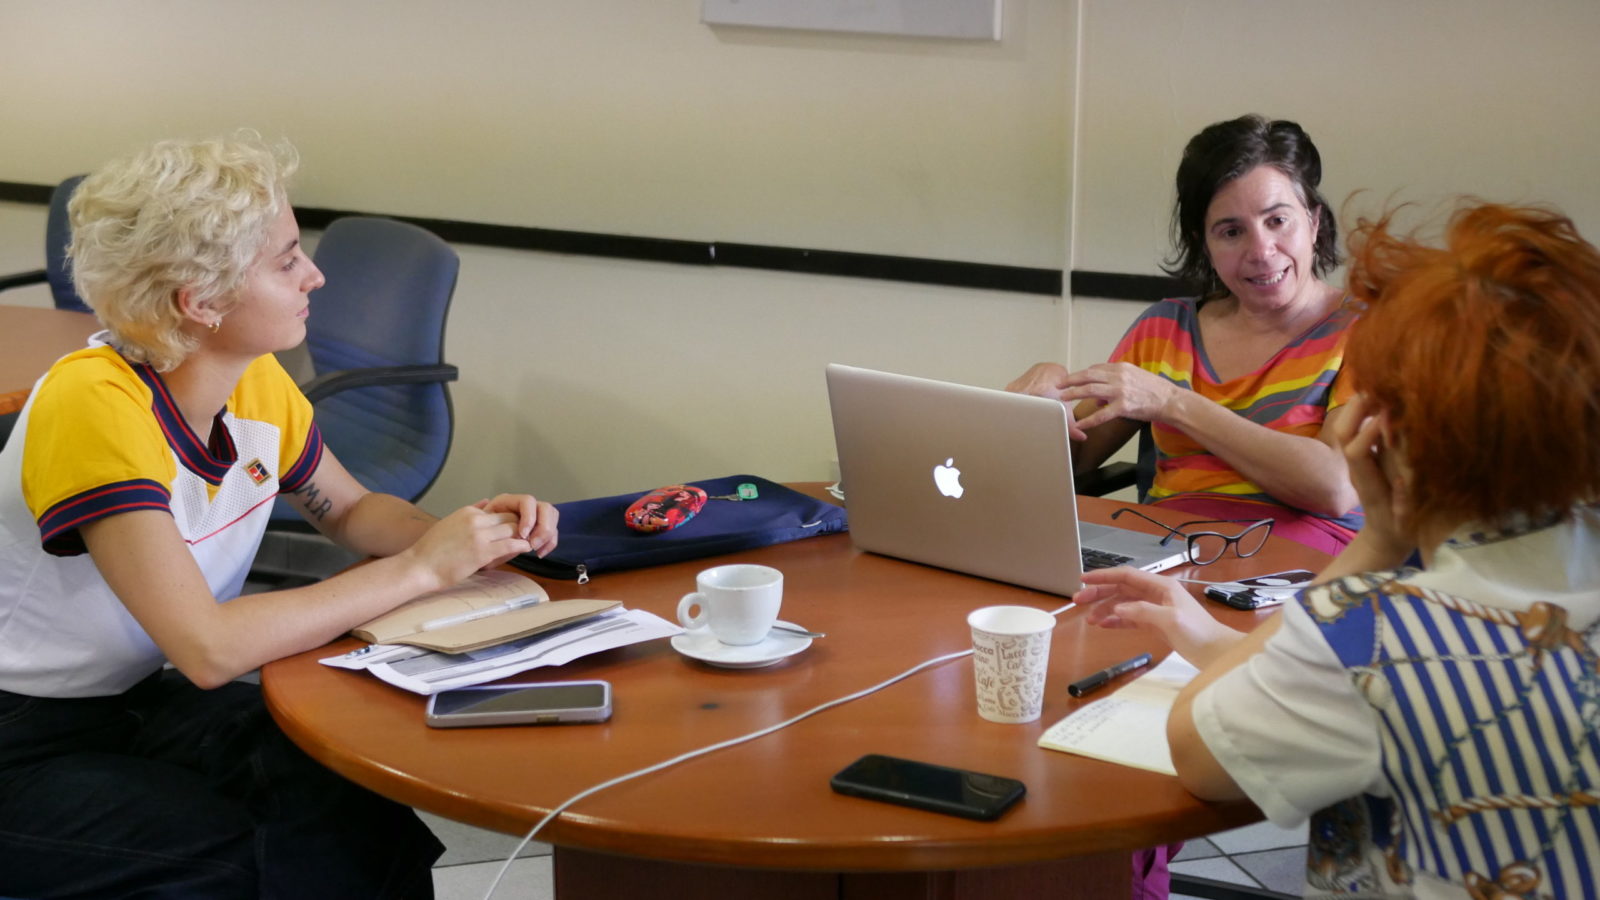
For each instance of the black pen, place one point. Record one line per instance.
(1093, 682)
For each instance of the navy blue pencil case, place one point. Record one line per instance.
(595, 537)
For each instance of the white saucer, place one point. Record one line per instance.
(699, 644)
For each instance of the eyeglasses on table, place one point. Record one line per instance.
(1206, 547)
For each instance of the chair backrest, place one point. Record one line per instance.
(57, 234)
(1145, 475)
(388, 292)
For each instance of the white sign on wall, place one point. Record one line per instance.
(973, 19)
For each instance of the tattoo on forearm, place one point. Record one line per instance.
(316, 505)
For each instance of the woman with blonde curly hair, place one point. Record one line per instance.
(1439, 725)
(134, 492)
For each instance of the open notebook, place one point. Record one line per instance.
(1129, 727)
(488, 590)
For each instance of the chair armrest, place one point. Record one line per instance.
(22, 279)
(345, 379)
(1110, 477)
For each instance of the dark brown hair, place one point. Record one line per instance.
(1225, 151)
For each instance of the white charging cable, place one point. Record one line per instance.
(1187, 580)
(731, 742)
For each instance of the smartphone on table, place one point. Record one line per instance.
(1262, 590)
(546, 703)
(956, 792)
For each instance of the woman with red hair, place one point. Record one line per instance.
(1440, 725)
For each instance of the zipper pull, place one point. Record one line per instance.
(747, 491)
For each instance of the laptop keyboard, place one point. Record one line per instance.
(1100, 559)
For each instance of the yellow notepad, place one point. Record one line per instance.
(403, 624)
(1129, 727)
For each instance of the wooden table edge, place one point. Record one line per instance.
(876, 854)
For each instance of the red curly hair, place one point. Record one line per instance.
(1485, 355)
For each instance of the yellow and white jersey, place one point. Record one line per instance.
(101, 436)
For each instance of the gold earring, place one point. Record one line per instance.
(216, 324)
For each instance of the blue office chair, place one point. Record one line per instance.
(57, 233)
(376, 341)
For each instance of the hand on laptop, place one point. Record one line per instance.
(1123, 390)
(1047, 380)
(1125, 597)
(1111, 390)
(1041, 380)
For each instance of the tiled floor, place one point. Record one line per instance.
(1260, 856)
(473, 857)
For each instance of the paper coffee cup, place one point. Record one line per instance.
(738, 603)
(1010, 653)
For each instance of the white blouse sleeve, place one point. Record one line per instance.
(1289, 726)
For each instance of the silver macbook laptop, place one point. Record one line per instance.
(971, 479)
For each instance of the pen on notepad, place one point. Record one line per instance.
(484, 613)
(1093, 682)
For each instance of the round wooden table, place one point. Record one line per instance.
(759, 819)
(31, 338)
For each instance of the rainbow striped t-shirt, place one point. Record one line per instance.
(1292, 392)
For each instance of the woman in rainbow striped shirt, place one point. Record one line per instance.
(1240, 386)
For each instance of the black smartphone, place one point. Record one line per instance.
(548, 703)
(1262, 590)
(956, 792)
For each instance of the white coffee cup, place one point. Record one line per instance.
(737, 602)
(1010, 652)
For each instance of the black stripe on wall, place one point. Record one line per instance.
(20, 192)
(917, 270)
(892, 268)
(1116, 286)
(721, 253)
(520, 237)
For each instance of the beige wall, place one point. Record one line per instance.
(1407, 101)
(619, 116)
(580, 375)
(1419, 101)
(630, 117)
(583, 376)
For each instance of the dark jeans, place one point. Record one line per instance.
(171, 791)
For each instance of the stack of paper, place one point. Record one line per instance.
(429, 671)
(1130, 726)
(492, 625)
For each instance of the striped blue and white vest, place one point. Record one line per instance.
(1490, 751)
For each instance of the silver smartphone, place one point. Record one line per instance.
(547, 703)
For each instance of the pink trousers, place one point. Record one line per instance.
(1300, 527)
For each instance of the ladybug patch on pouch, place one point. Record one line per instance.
(664, 509)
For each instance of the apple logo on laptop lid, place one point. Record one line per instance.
(947, 478)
